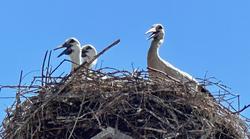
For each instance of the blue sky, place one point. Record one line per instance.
(201, 36)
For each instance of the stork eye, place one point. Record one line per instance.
(88, 48)
(159, 27)
(71, 41)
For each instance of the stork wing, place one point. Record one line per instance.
(177, 73)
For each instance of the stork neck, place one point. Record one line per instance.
(154, 49)
(76, 59)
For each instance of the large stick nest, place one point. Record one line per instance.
(84, 104)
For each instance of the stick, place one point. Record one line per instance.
(21, 86)
(99, 54)
(239, 111)
(44, 60)
(47, 69)
(18, 101)
(65, 60)
(85, 64)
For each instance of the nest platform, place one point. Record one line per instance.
(86, 103)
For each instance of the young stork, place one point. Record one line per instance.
(77, 54)
(156, 62)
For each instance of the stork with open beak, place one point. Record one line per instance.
(77, 54)
(156, 62)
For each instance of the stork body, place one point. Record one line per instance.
(156, 62)
(77, 54)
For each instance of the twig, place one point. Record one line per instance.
(21, 86)
(78, 115)
(18, 101)
(44, 60)
(241, 110)
(65, 60)
(25, 75)
(47, 69)
(238, 99)
(98, 55)
(86, 64)
(7, 97)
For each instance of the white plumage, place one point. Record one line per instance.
(77, 54)
(156, 62)
(88, 53)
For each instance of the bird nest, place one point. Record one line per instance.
(86, 103)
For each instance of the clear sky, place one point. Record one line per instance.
(201, 36)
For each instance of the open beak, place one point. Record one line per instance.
(153, 32)
(67, 51)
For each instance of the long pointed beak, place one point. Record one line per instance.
(151, 30)
(59, 47)
(67, 51)
(153, 33)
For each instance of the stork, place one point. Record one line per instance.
(88, 53)
(154, 61)
(77, 54)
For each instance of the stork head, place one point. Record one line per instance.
(71, 45)
(88, 53)
(156, 32)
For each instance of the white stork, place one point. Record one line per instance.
(77, 54)
(154, 61)
(88, 53)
